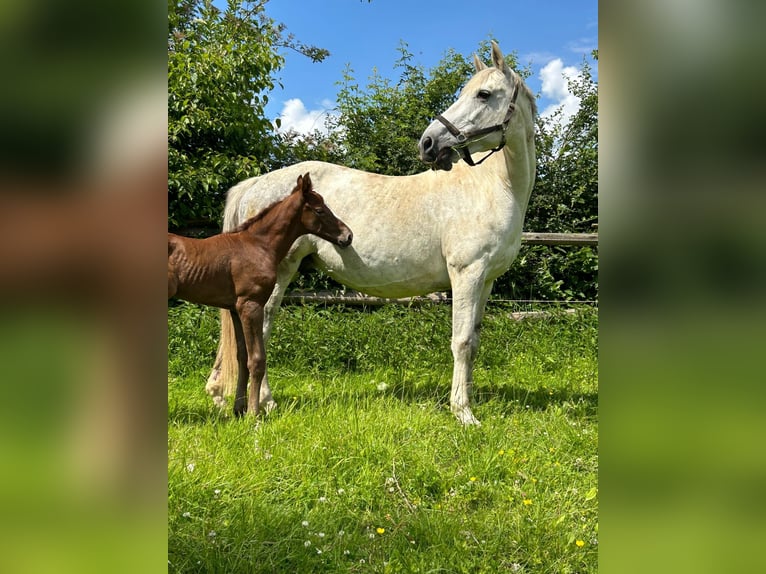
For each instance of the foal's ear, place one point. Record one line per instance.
(306, 184)
(497, 57)
(478, 64)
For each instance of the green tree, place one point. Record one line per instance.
(221, 65)
(565, 200)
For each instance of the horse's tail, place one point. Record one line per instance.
(223, 378)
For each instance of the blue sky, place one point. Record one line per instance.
(551, 35)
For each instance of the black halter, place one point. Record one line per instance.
(464, 140)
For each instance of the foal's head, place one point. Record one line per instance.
(319, 219)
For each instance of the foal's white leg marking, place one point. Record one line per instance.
(470, 291)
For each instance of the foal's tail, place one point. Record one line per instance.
(223, 378)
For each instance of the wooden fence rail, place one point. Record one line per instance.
(532, 238)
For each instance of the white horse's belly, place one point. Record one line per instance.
(389, 272)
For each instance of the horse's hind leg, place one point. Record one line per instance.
(217, 385)
(240, 400)
(469, 296)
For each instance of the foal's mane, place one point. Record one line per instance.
(258, 216)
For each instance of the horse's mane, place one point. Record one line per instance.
(257, 217)
(530, 96)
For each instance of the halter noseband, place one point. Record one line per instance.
(464, 140)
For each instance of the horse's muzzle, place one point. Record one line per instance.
(426, 148)
(435, 156)
(346, 241)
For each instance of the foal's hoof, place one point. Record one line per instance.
(240, 408)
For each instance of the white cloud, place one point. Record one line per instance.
(295, 117)
(555, 77)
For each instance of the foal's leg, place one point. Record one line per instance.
(470, 291)
(251, 314)
(285, 273)
(240, 399)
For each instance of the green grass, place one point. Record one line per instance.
(363, 440)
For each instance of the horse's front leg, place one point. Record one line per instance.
(251, 314)
(285, 273)
(469, 297)
(240, 399)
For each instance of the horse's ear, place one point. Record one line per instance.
(299, 183)
(478, 63)
(306, 183)
(497, 57)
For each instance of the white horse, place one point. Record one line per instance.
(455, 226)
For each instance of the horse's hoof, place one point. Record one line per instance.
(269, 406)
(219, 401)
(470, 422)
(213, 386)
(466, 417)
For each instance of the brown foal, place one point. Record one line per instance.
(237, 271)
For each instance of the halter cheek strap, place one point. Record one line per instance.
(464, 140)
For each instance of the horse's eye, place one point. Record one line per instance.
(484, 95)
(319, 211)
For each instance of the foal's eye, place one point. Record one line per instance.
(319, 211)
(484, 95)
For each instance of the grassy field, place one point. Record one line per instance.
(362, 467)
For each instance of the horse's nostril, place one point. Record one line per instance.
(427, 144)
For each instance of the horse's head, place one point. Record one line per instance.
(478, 120)
(319, 219)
